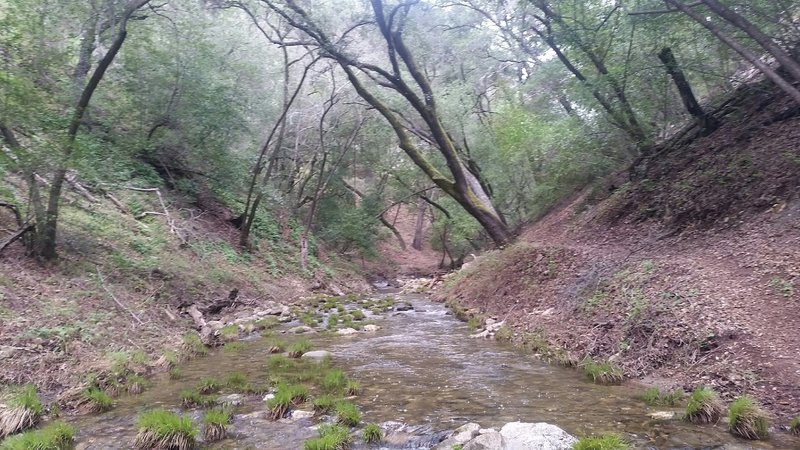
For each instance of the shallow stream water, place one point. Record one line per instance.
(421, 369)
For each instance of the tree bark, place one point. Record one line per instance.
(419, 227)
(685, 89)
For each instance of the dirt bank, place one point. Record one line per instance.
(686, 277)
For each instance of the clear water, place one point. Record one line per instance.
(423, 370)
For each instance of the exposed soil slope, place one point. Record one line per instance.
(689, 276)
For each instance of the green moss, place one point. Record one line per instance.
(159, 428)
(747, 420)
(372, 433)
(347, 414)
(601, 372)
(54, 436)
(603, 442)
(97, 399)
(703, 406)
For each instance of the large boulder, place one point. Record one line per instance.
(535, 436)
(460, 436)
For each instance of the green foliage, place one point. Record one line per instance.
(602, 372)
(285, 396)
(603, 442)
(347, 414)
(703, 406)
(372, 433)
(209, 385)
(193, 344)
(229, 332)
(334, 381)
(325, 403)
(217, 416)
(353, 387)
(97, 399)
(331, 437)
(27, 398)
(782, 286)
(175, 373)
(296, 349)
(53, 436)
(159, 428)
(794, 426)
(236, 380)
(747, 420)
(655, 397)
(191, 397)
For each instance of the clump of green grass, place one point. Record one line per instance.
(334, 380)
(277, 362)
(266, 323)
(331, 437)
(237, 381)
(97, 400)
(325, 404)
(24, 410)
(655, 397)
(504, 334)
(602, 442)
(216, 422)
(175, 373)
(53, 436)
(229, 333)
(333, 321)
(286, 396)
(794, 426)
(275, 345)
(209, 385)
(747, 419)
(358, 314)
(601, 372)
(136, 384)
(193, 344)
(347, 414)
(704, 406)
(297, 349)
(308, 319)
(191, 398)
(162, 429)
(168, 360)
(353, 387)
(372, 433)
(233, 347)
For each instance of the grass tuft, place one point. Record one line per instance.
(237, 381)
(191, 398)
(347, 414)
(297, 349)
(136, 384)
(54, 436)
(275, 345)
(335, 380)
(704, 406)
(325, 404)
(655, 397)
(216, 422)
(747, 420)
(175, 373)
(372, 433)
(209, 385)
(229, 333)
(602, 442)
(193, 344)
(601, 372)
(162, 429)
(286, 396)
(331, 437)
(794, 426)
(353, 387)
(97, 400)
(25, 409)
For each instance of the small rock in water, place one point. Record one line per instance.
(662, 415)
(317, 355)
(346, 331)
(231, 400)
(299, 414)
(284, 319)
(268, 397)
(300, 329)
(371, 328)
(520, 435)
(404, 307)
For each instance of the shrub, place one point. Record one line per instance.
(54, 436)
(216, 421)
(603, 442)
(602, 372)
(372, 433)
(23, 412)
(297, 349)
(335, 380)
(347, 414)
(331, 437)
(162, 429)
(747, 420)
(704, 406)
(353, 387)
(97, 400)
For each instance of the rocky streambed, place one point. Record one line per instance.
(425, 382)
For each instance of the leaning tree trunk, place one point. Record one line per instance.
(685, 90)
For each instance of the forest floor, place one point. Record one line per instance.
(688, 276)
(116, 301)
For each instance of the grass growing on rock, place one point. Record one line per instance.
(54, 436)
(193, 344)
(347, 414)
(602, 442)
(286, 396)
(704, 406)
(331, 437)
(216, 422)
(601, 372)
(297, 349)
(655, 397)
(209, 385)
(747, 419)
(25, 409)
(372, 433)
(162, 429)
(97, 400)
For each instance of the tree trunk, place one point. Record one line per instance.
(685, 89)
(419, 228)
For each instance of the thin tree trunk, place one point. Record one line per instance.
(685, 89)
(419, 227)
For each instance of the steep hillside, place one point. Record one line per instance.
(685, 276)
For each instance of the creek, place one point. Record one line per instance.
(422, 375)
